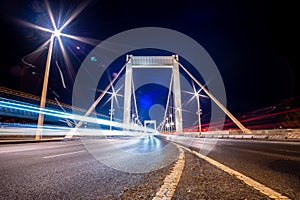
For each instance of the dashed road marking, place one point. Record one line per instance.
(171, 181)
(64, 154)
(249, 181)
(18, 150)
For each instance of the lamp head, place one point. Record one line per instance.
(56, 33)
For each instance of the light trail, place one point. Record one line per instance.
(61, 75)
(32, 97)
(20, 94)
(259, 124)
(58, 114)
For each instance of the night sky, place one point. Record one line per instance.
(253, 43)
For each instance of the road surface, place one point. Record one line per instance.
(135, 169)
(275, 164)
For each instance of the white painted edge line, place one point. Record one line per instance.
(64, 154)
(249, 181)
(171, 181)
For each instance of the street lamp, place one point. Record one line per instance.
(38, 135)
(168, 127)
(111, 110)
(55, 33)
(167, 124)
(113, 97)
(171, 122)
(197, 95)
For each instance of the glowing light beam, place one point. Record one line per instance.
(59, 114)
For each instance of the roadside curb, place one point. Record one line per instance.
(292, 135)
(281, 137)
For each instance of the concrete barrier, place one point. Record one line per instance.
(271, 134)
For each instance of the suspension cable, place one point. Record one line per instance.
(202, 87)
(93, 106)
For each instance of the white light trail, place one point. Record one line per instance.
(53, 92)
(61, 75)
(58, 114)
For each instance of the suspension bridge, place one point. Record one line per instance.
(125, 139)
(172, 118)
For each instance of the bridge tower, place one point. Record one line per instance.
(153, 62)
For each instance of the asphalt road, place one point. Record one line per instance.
(275, 164)
(72, 170)
(134, 168)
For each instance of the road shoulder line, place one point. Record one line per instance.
(171, 181)
(249, 181)
(63, 154)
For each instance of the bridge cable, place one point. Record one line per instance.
(202, 87)
(93, 106)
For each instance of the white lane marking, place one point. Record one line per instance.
(57, 146)
(64, 154)
(30, 149)
(171, 181)
(252, 183)
(18, 150)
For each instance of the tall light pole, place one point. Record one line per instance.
(113, 97)
(40, 123)
(55, 33)
(111, 110)
(198, 111)
(171, 122)
(167, 124)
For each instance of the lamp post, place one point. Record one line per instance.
(111, 110)
(40, 123)
(171, 122)
(55, 33)
(167, 124)
(198, 111)
(168, 127)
